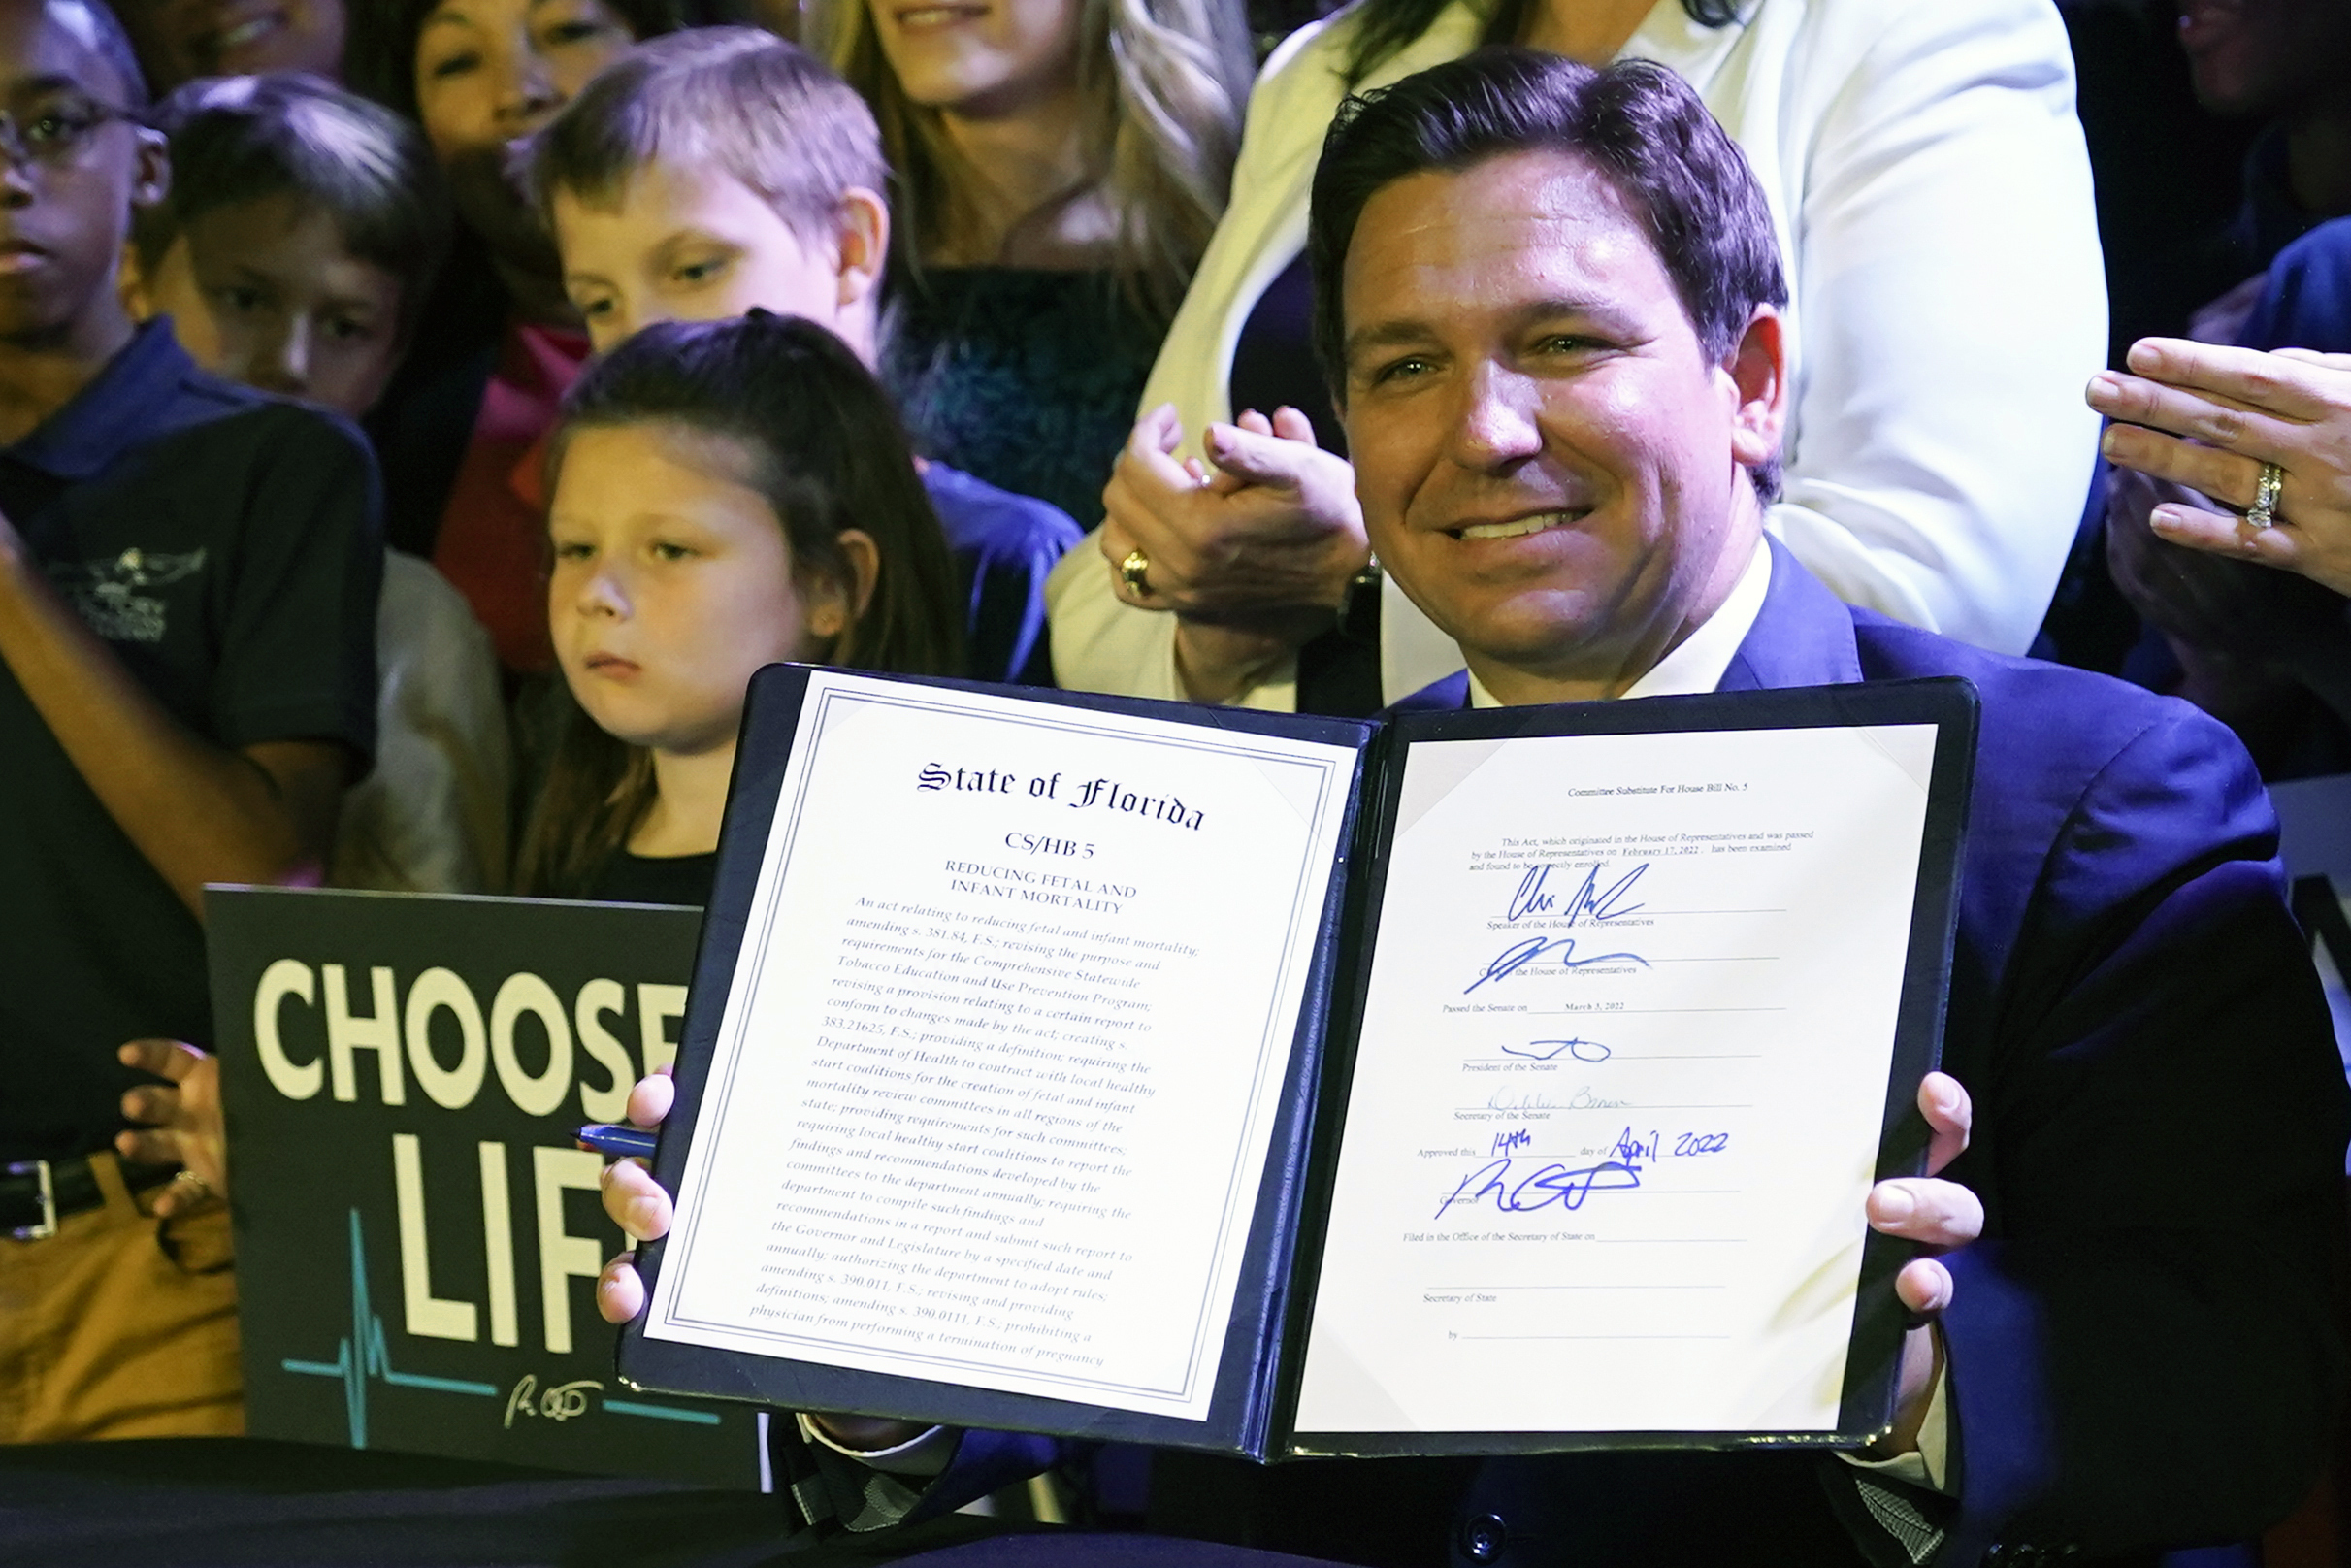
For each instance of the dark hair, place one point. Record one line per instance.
(113, 45)
(380, 45)
(1642, 126)
(245, 138)
(1383, 27)
(828, 453)
(793, 131)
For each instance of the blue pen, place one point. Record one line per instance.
(620, 1142)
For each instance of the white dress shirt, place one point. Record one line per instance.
(1928, 179)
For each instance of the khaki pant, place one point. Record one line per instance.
(119, 1325)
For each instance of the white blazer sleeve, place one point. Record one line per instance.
(1952, 303)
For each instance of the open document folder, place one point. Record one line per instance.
(1480, 1082)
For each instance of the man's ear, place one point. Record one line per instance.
(1756, 368)
(833, 605)
(863, 252)
(151, 175)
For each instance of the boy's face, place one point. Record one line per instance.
(264, 292)
(67, 185)
(686, 245)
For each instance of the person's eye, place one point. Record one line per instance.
(58, 126)
(1566, 342)
(703, 271)
(462, 63)
(1408, 368)
(571, 30)
(350, 329)
(671, 550)
(573, 550)
(238, 300)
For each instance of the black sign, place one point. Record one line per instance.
(417, 1235)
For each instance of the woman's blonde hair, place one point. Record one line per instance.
(1164, 81)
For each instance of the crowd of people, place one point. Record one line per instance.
(419, 418)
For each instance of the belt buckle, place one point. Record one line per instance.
(47, 1225)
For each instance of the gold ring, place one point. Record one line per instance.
(204, 1188)
(2263, 513)
(1134, 570)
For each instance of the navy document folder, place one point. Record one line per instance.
(1478, 1082)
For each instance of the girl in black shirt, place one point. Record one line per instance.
(725, 495)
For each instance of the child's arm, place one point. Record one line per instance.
(198, 812)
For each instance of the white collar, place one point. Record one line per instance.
(1696, 664)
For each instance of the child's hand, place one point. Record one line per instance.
(635, 1203)
(182, 1123)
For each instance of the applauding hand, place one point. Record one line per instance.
(1252, 555)
(2210, 418)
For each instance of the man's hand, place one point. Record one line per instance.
(1939, 1215)
(182, 1125)
(636, 1203)
(1254, 557)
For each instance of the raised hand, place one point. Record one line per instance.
(1252, 554)
(2208, 417)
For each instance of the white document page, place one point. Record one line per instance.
(1622, 1077)
(995, 1082)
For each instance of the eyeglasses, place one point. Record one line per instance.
(56, 133)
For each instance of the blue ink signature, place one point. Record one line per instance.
(1518, 958)
(1546, 1050)
(1549, 1185)
(1587, 902)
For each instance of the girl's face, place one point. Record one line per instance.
(672, 584)
(184, 39)
(979, 58)
(489, 73)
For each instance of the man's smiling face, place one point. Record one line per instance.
(1550, 461)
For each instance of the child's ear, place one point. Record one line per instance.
(152, 178)
(864, 246)
(838, 604)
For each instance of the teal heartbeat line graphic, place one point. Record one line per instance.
(361, 1354)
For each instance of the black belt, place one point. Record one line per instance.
(36, 1194)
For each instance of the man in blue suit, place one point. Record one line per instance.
(1550, 299)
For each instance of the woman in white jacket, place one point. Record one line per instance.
(1932, 193)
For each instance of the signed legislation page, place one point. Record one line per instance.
(991, 1098)
(1620, 1084)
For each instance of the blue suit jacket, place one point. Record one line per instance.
(2143, 1348)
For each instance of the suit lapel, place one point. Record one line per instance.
(1802, 636)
